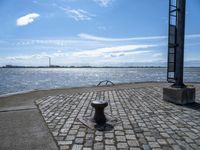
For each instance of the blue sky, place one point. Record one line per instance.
(92, 32)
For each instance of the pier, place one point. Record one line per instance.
(49, 119)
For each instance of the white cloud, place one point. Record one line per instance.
(122, 54)
(27, 19)
(105, 39)
(193, 36)
(41, 55)
(104, 3)
(78, 14)
(110, 50)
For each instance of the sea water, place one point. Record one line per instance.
(23, 79)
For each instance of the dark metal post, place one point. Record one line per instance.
(99, 116)
(178, 93)
(180, 43)
(49, 61)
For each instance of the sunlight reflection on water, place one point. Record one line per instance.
(20, 79)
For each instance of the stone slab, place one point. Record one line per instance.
(24, 130)
(180, 96)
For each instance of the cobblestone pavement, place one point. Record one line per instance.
(147, 122)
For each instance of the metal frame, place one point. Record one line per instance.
(177, 21)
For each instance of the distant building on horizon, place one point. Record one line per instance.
(49, 61)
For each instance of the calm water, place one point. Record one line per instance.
(20, 79)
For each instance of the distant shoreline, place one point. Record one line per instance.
(92, 67)
(82, 67)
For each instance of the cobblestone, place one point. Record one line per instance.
(146, 121)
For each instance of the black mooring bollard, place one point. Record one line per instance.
(99, 116)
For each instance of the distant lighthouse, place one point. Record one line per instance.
(49, 61)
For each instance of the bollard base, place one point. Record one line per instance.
(99, 116)
(181, 96)
(108, 126)
(99, 121)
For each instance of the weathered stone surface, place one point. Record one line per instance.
(180, 96)
(147, 122)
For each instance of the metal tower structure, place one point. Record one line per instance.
(176, 42)
(49, 61)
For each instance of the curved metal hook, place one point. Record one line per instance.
(106, 83)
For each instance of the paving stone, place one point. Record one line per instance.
(64, 148)
(64, 142)
(87, 148)
(129, 131)
(122, 145)
(121, 138)
(79, 140)
(150, 138)
(98, 133)
(77, 147)
(98, 138)
(109, 135)
(154, 145)
(146, 147)
(88, 143)
(70, 137)
(89, 136)
(109, 141)
(80, 134)
(133, 143)
(130, 137)
(135, 148)
(119, 133)
(176, 147)
(108, 147)
(73, 132)
(98, 146)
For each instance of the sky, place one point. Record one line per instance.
(92, 32)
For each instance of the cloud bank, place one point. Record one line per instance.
(105, 39)
(115, 51)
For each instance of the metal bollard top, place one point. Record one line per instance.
(100, 103)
